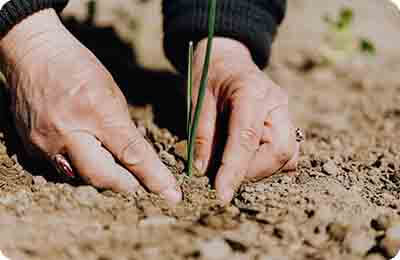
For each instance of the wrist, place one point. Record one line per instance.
(229, 59)
(31, 35)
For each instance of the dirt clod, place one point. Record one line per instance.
(214, 249)
(330, 168)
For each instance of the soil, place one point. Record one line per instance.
(343, 202)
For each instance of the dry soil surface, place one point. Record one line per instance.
(343, 203)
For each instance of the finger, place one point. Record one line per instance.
(244, 135)
(96, 165)
(205, 136)
(137, 155)
(277, 153)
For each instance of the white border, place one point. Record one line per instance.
(2, 3)
(3, 257)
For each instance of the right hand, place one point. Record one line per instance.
(65, 102)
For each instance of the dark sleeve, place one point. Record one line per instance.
(252, 22)
(15, 11)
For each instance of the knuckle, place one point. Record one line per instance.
(133, 152)
(249, 138)
(257, 93)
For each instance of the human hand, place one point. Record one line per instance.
(65, 102)
(260, 138)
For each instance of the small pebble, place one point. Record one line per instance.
(157, 221)
(232, 210)
(39, 180)
(215, 249)
(337, 231)
(3, 149)
(330, 168)
(181, 149)
(8, 162)
(86, 195)
(167, 158)
(273, 257)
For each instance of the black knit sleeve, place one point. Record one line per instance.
(252, 22)
(14, 11)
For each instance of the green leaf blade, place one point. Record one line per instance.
(203, 83)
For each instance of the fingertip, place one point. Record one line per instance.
(127, 182)
(225, 195)
(226, 183)
(172, 195)
(171, 191)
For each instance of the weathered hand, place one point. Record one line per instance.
(65, 102)
(260, 138)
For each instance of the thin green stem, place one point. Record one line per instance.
(189, 92)
(203, 83)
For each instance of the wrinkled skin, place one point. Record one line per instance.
(65, 102)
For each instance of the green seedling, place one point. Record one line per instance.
(192, 125)
(343, 21)
(189, 92)
(342, 43)
(367, 47)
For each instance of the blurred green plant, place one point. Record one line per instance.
(341, 41)
(343, 21)
(192, 125)
(367, 47)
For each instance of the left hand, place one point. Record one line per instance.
(260, 138)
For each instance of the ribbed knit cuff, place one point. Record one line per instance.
(15, 11)
(252, 22)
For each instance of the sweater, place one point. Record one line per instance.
(252, 22)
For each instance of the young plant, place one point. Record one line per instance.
(192, 125)
(341, 42)
(189, 92)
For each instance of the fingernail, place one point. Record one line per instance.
(63, 166)
(225, 196)
(173, 195)
(199, 164)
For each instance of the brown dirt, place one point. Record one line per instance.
(342, 204)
